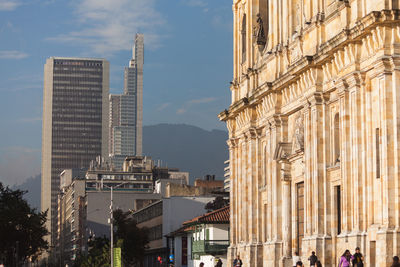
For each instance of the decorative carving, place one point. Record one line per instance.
(259, 33)
(282, 151)
(298, 135)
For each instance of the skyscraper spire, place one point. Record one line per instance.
(127, 109)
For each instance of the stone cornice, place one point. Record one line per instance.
(325, 53)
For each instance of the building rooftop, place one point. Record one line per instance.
(215, 217)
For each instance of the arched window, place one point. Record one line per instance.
(336, 139)
(244, 38)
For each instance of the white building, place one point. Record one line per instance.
(162, 218)
(202, 239)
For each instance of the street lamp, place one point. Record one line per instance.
(111, 220)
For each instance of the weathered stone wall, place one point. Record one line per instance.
(315, 117)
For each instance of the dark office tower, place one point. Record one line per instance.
(75, 122)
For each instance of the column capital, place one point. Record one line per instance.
(355, 78)
(286, 176)
(253, 133)
(342, 86)
(232, 143)
(317, 98)
(277, 120)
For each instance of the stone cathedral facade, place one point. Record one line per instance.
(314, 130)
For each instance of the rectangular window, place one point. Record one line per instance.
(300, 214)
(338, 210)
(378, 157)
(184, 250)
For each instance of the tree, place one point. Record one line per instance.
(22, 228)
(134, 239)
(131, 239)
(218, 203)
(98, 255)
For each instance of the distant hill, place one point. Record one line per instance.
(186, 147)
(32, 185)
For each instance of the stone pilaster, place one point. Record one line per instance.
(286, 212)
(345, 164)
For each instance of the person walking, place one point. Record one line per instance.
(357, 259)
(237, 262)
(313, 259)
(345, 259)
(396, 262)
(296, 258)
(219, 263)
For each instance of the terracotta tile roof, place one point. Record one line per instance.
(216, 216)
(181, 231)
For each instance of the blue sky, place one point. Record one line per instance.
(188, 62)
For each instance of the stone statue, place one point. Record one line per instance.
(260, 33)
(298, 136)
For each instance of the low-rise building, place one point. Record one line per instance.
(163, 217)
(84, 199)
(202, 239)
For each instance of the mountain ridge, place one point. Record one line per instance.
(186, 147)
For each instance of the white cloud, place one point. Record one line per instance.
(195, 3)
(8, 5)
(163, 106)
(181, 111)
(12, 54)
(202, 100)
(109, 26)
(190, 103)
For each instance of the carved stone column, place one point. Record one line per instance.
(232, 144)
(344, 155)
(287, 213)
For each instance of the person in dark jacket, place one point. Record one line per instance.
(237, 262)
(313, 259)
(357, 259)
(396, 262)
(219, 263)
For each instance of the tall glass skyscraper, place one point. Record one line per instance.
(126, 110)
(75, 122)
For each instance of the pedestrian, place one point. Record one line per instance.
(219, 263)
(357, 259)
(201, 264)
(299, 264)
(396, 262)
(237, 262)
(313, 259)
(345, 259)
(296, 258)
(318, 264)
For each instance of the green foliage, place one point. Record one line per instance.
(98, 256)
(22, 229)
(133, 239)
(218, 203)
